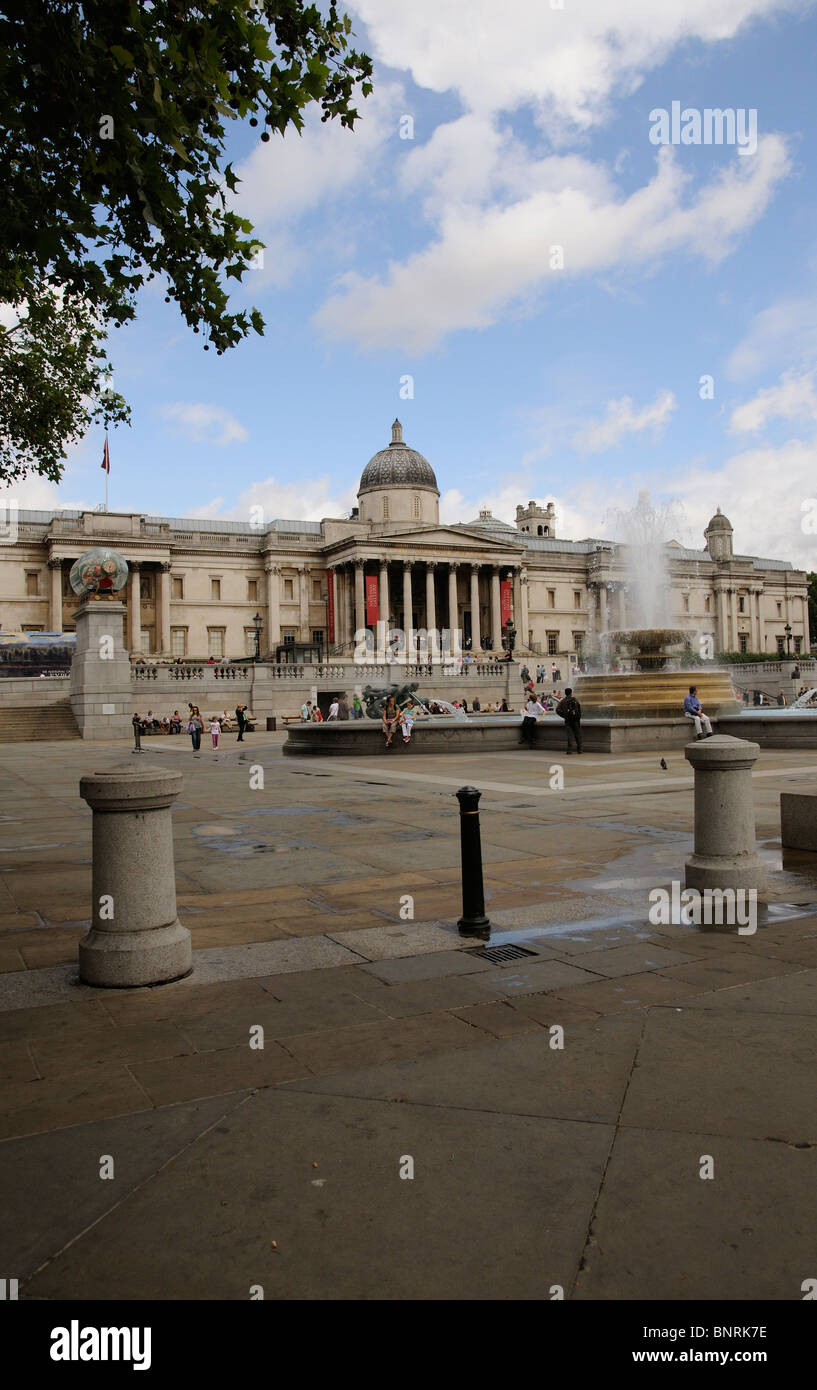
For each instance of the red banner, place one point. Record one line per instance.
(505, 588)
(330, 608)
(371, 600)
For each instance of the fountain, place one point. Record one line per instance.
(655, 690)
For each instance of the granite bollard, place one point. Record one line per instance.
(136, 937)
(724, 855)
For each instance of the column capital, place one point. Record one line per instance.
(165, 566)
(54, 564)
(453, 564)
(272, 569)
(475, 566)
(134, 566)
(358, 564)
(432, 564)
(407, 564)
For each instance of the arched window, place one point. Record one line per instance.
(385, 508)
(539, 531)
(545, 530)
(417, 509)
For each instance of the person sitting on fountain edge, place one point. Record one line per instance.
(693, 710)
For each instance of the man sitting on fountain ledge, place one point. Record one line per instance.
(693, 710)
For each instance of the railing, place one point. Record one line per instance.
(181, 673)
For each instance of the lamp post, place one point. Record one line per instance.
(257, 623)
(787, 630)
(509, 638)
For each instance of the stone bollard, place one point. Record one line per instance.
(135, 937)
(724, 854)
(473, 921)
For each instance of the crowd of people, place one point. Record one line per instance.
(196, 724)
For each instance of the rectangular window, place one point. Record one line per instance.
(780, 610)
(798, 643)
(289, 591)
(578, 642)
(215, 641)
(707, 602)
(686, 603)
(33, 627)
(146, 587)
(287, 634)
(551, 598)
(145, 643)
(741, 604)
(215, 588)
(252, 590)
(32, 583)
(249, 641)
(553, 643)
(316, 591)
(743, 642)
(178, 641)
(176, 586)
(318, 635)
(577, 598)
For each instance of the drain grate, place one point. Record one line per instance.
(499, 954)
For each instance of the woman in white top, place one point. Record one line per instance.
(215, 730)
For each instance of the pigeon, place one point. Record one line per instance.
(663, 764)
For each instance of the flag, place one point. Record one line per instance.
(106, 458)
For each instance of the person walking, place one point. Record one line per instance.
(343, 706)
(334, 709)
(306, 712)
(524, 676)
(694, 711)
(194, 728)
(570, 711)
(357, 708)
(215, 730)
(532, 712)
(241, 721)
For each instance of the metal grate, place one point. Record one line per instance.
(498, 954)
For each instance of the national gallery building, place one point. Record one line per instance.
(212, 588)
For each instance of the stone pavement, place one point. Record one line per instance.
(388, 1040)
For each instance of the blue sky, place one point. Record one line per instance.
(430, 257)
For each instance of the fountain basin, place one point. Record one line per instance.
(655, 694)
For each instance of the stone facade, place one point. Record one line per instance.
(195, 587)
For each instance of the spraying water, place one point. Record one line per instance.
(644, 530)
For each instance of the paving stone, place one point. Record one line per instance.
(222, 1028)
(786, 994)
(219, 1073)
(379, 1237)
(60, 1056)
(534, 977)
(703, 1068)
(375, 1043)
(395, 940)
(96, 1093)
(630, 992)
(427, 967)
(728, 969)
(747, 1234)
(500, 1020)
(633, 959)
(523, 1075)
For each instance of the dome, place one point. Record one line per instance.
(487, 522)
(719, 522)
(398, 466)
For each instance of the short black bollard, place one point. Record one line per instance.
(137, 735)
(473, 921)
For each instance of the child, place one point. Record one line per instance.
(215, 730)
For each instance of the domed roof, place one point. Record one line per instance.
(397, 466)
(487, 522)
(719, 522)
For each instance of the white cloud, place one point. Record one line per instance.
(206, 424)
(621, 419)
(794, 398)
(784, 332)
(566, 63)
(486, 258)
(308, 499)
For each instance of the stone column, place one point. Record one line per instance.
(163, 608)
(136, 937)
(273, 573)
(724, 855)
(723, 620)
(408, 605)
(360, 597)
(431, 611)
(383, 595)
(453, 612)
(476, 636)
(733, 619)
(523, 590)
(55, 596)
(303, 603)
(496, 611)
(758, 623)
(334, 580)
(134, 607)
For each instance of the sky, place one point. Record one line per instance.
(555, 305)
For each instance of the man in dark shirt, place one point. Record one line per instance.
(241, 722)
(570, 711)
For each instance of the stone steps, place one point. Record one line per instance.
(38, 723)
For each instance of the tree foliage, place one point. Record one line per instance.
(113, 123)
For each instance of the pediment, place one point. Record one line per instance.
(452, 538)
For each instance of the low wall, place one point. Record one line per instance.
(773, 730)
(17, 691)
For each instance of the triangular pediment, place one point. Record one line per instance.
(450, 537)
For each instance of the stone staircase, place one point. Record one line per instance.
(42, 723)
